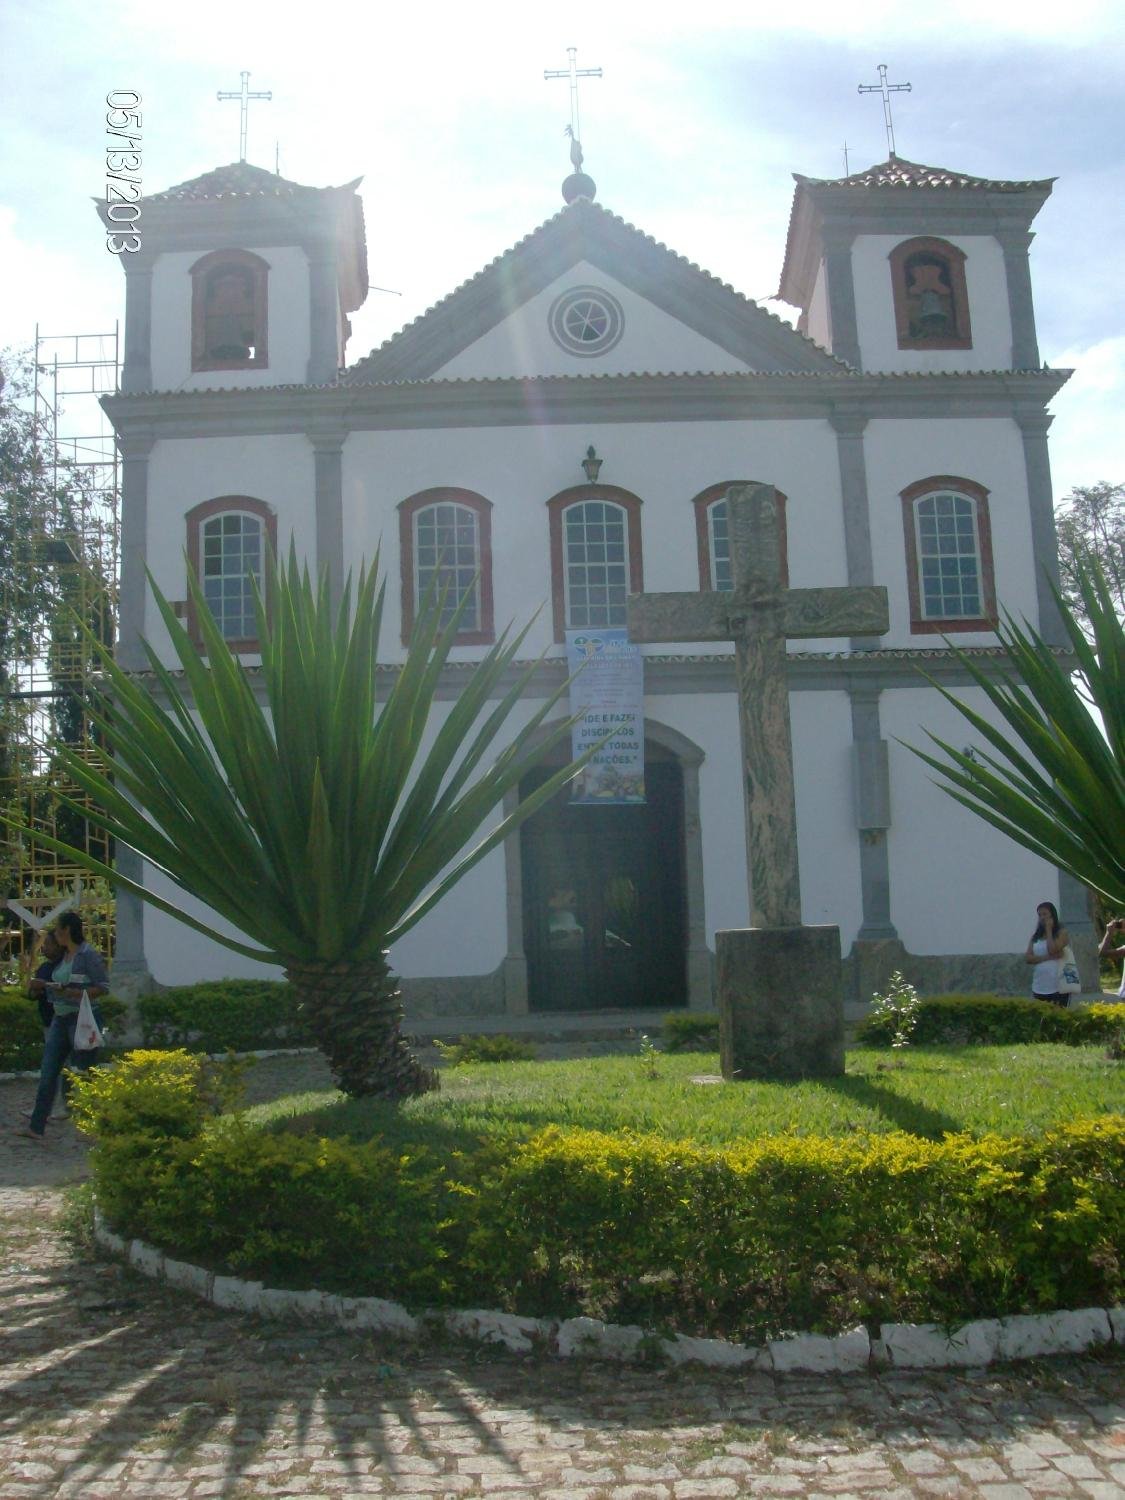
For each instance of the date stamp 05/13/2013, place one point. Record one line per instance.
(123, 170)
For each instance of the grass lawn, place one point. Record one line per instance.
(924, 1091)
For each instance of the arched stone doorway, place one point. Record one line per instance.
(605, 906)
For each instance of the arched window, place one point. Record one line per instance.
(595, 556)
(712, 535)
(228, 539)
(445, 541)
(931, 300)
(948, 555)
(229, 301)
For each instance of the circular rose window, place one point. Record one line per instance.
(586, 320)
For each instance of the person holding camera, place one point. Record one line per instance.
(1113, 946)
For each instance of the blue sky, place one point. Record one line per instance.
(692, 134)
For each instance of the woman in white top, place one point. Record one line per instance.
(1045, 952)
(1113, 946)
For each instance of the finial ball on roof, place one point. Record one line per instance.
(578, 185)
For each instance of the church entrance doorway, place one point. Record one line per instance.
(604, 906)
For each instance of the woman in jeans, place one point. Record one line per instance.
(80, 968)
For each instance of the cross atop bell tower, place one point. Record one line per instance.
(244, 96)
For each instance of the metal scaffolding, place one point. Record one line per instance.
(64, 555)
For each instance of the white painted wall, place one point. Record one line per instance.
(827, 841)
(819, 323)
(987, 450)
(957, 884)
(287, 324)
(989, 317)
(178, 955)
(652, 341)
(185, 471)
(519, 469)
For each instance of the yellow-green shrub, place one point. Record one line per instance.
(797, 1232)
(742, 1242)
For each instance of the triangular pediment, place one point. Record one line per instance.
(523, 314)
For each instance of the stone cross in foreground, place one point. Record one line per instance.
(759, 615)
(790, 966)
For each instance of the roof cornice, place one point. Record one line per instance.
(560, 399)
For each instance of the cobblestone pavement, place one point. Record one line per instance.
(112, 1386)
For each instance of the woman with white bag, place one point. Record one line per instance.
(1047, 952)
(77, 983)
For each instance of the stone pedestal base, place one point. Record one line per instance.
(781, 1003)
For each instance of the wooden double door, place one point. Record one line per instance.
(604, 908)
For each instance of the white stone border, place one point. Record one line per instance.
(900, 1346)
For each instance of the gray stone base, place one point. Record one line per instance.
(781, 1003)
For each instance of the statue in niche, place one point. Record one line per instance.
(929, 298)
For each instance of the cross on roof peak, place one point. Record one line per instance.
(243, 95)
(886, 89)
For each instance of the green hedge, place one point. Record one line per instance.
(997, 1020)
(21, 1035)
(690, 1031)
(243, 1015)
(485, 1049)
(743, 1242)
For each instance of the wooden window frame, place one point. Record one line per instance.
(200, 273)
(196, 519)
(955, 263)
(408, 509)
(557, 506)
(920, 624)
(702, 506)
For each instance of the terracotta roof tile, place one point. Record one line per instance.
(897, 172)
(239, 180)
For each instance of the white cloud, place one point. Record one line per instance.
(1087, 442)
(66, 291)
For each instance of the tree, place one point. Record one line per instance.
(313, 822)
(1056, 782)
(1090, 521)
(27, 496)
(50, 575)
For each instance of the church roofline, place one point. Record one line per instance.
(845, 374)
(438, 334)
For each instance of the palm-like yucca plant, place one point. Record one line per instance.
(315, 823)
(1056, 783)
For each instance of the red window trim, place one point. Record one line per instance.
(920, 624)
(482, 509)
(199, 274)
(955, 261)
(703, 503)
(556, 506)
(195, 519)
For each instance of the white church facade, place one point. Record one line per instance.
(902, 423)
